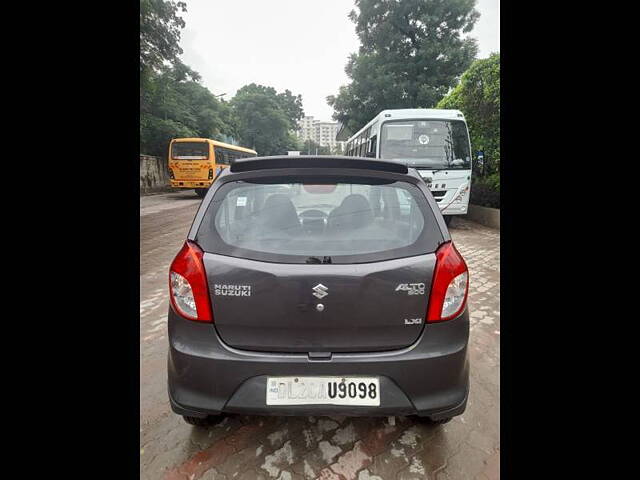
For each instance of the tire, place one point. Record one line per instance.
(442, 421)
(201, 192)
(428, 421)
(447, 219)
(196, 421)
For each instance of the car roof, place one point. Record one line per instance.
(316, 161)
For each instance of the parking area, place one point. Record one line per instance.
(288, 448)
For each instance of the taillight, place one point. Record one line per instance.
(210, 173)
(450, 285)
(171, 174)
(188, 289)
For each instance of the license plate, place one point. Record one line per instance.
(364, 391)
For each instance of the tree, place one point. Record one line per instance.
(412, 52)
(309, 147)
(175, 105)
(478, 97)
(266, 119)
(160, 28)
(292, 106)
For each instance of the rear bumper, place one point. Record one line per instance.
(191, 183)
(206, 377)
(455, 209)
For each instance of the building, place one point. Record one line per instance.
(323, 133)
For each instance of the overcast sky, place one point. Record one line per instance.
(302, 45)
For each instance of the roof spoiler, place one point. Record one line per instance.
(309, 161)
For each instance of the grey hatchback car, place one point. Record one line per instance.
(318, 286)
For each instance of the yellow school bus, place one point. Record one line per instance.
(195, 162)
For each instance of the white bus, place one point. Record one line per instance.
(434, 142)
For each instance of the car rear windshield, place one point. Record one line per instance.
(190, 150)
(313, 221)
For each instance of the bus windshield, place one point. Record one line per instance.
(431, 144)
(190, 151)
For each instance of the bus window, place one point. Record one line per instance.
(363, 147)
(218, 155)
(225, 155)
(373, 145)
(190, 150)
(437, 144)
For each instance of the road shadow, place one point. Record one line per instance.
(459, 224)
(181, 196)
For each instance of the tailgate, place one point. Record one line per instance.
(275, 307)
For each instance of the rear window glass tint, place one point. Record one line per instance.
(307, 222)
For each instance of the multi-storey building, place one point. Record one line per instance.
(323, 133)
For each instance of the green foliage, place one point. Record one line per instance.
(485, 191)
(175, 105)
(266, 119)
(478, 97)
(411, 54)
(160, 28)
(292, 106)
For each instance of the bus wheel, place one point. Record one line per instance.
(201, 192)
(447, 219)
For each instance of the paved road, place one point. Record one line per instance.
(290, 448)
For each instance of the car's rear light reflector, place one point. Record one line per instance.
(188, 288)
(450, 285)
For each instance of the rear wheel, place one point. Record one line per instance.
(196, 421)
(201, 192)
(442, 421)
(430, 421)
(447, 219)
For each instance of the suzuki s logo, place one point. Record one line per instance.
(320, 291)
